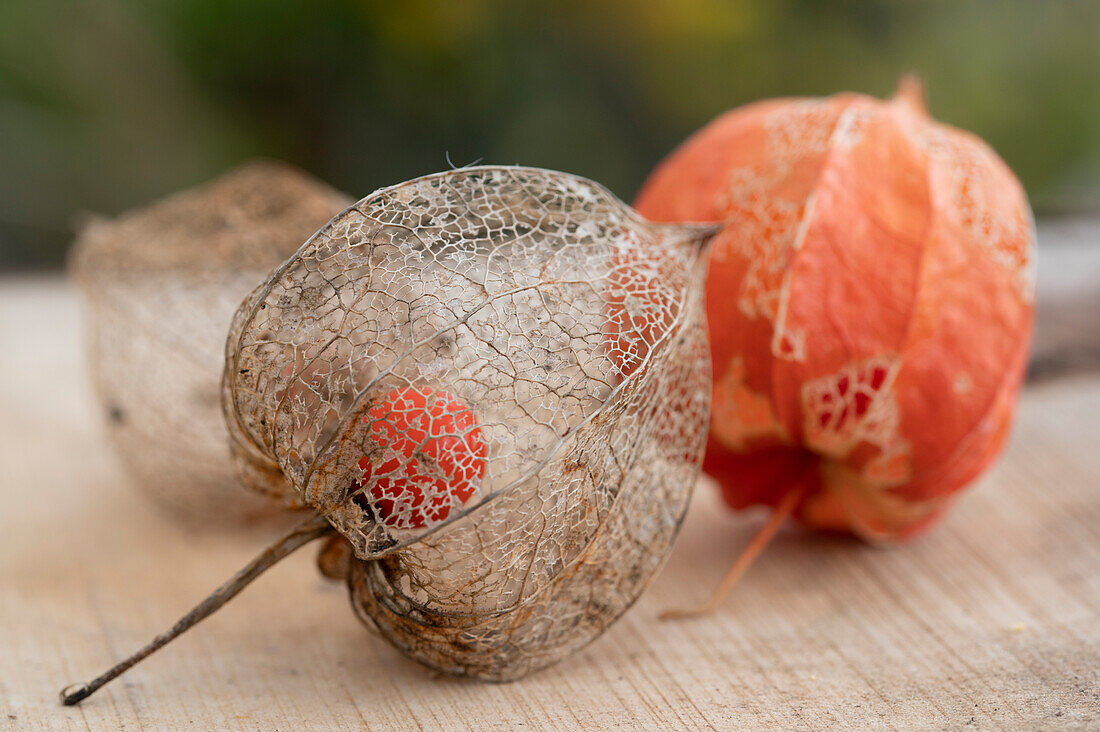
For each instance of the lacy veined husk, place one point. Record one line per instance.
(160, 287)
(572, 331)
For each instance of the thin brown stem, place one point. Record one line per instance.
(785, 508)
(313, 528)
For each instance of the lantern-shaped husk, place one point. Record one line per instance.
(869, 302)
(161, 286)
(568, 335)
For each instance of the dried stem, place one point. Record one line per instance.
(313, 528)
(785, 508)
(910, 91)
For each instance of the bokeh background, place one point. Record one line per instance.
(109, 104)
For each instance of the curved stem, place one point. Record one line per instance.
(785, 508)
(313, 528)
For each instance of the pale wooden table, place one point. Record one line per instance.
(991, 621)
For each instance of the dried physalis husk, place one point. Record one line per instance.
(161, 285)
(567, 336)
(492, 386)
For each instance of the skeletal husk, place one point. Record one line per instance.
(572, 329)
(160, 287)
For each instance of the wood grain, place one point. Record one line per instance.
(992, 621)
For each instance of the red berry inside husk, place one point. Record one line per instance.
(432, 458)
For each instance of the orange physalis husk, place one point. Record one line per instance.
(869, 302)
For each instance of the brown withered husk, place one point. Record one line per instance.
(160, 286)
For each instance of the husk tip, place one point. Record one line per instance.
(910, 90)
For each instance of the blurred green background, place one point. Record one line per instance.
(109, 104)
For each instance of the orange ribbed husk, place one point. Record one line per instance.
(870, 304)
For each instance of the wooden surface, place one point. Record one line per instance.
(991, 621)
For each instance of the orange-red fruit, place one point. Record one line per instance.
(869, 302)
(429, 457)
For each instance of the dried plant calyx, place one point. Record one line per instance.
(571, 330)
(160, 286)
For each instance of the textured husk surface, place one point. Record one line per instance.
(160, 286)
(573, 331)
